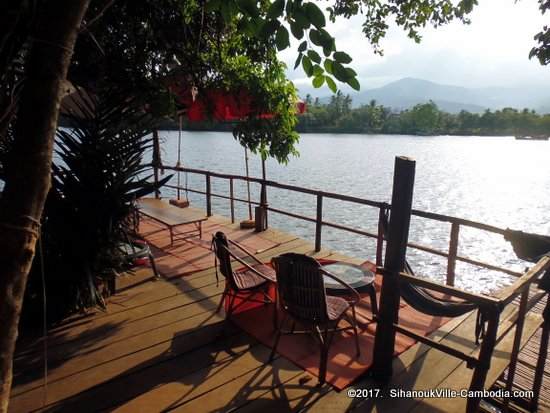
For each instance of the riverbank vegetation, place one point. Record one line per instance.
(339, 116)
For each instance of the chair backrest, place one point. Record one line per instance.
(221, 249)
(301, 287)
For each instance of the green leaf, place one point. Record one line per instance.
(301, 19)
(328, 65)
(306, 64)
(296, 30)
(276, 9)
(268, 28)
(249, 7)
(315, 15)
(327, 51)
(298, 60)
(354, 83)
(317, 70)
(228, 10)
(351, 72)
(302, 46)
(212, 5)
(339, 72)
(331, 84)
(314, 56)
(318, 81)
(315, 37)
(342, 57)
(282, 39)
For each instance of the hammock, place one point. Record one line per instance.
(421, 300)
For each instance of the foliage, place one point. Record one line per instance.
(96, 176)
(422, 119)
(542, 51)
(411, 15)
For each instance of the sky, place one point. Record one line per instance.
(492, 51)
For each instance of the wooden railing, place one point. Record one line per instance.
(491, 306)
(456, 223)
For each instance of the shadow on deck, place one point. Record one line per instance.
(161, 347)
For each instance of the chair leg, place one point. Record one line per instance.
(354, 324)
(224, 294)
(230, 307)
(277, 338)
(323, 356)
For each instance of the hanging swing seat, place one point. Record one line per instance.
(248, 224)
(180, 203)
(172, 217)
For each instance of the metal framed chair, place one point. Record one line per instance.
(303, 300)
(250, 279)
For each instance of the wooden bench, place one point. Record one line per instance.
(172, 217)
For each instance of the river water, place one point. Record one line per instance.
(498, 181)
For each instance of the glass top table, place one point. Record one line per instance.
(360, 278)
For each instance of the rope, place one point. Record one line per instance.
(60, 46)
(25, 228)
(178, 164)
(45, 322)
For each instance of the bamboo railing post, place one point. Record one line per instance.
(453, 251)
(208, 196)
(485, 355)
(396, 247)
(544, 284)
(319, 223)
(380, 237)
(231, 200)
(517, 342)
(156, 161)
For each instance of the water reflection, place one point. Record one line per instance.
(499, 181)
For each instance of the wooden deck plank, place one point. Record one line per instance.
(187, 334)
(246, 379)
(159, 346)
(461, 376)
(176, 369)
(123, 336)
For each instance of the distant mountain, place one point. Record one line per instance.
(407, 92)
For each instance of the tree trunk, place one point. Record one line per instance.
(29, 165)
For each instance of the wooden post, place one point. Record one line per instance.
(231, 200)
(396, 247)
(248, 183)
(208, 196)
(515, 347)
(263, 196)
(380, 238)
(453, 250)
(261, 211)
(156, 161)
(319, 223)
(485, 354)
(543, 349)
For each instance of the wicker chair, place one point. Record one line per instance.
(251, 279)
(302, 297)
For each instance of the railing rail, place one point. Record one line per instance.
(451, 255)
(491, 306)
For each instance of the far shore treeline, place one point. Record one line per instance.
(338, 116)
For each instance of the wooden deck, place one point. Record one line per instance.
(161, 347)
